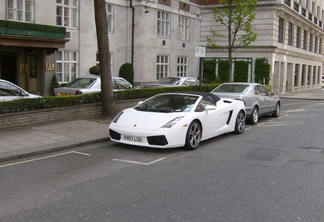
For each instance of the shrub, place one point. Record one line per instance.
(126, 71)
(262, 71)
(209, 70)
(241, 71)
(95, 70)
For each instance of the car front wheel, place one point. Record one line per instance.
(193, 136)
(254, 116)
(240, 123)
(276, 112)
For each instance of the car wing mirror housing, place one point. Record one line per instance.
(210, 107)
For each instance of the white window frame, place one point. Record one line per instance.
(66, 65)
(182, 66)
(17, 10)
(110, 17)
(67, 14)
(163, 24)
(162, 66)
(184, 28)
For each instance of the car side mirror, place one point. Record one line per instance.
(209, 108)
(272, 93)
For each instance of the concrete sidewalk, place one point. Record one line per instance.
(26, 142)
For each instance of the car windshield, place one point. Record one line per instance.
(81, 83)
(168, 81)
(231, 88)
(168, 103)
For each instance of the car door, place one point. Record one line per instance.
(266, 104)
(213, 120)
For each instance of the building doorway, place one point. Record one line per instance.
(8, 68)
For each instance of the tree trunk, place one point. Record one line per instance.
(229, 65)
(107, 97)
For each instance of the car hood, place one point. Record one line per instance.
(32, 96)
(132, 118)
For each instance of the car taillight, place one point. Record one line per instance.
(242, 101)
(78, 92)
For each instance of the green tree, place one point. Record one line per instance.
(236, 16)
(107, 99)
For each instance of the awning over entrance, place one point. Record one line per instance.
(32, 41)
(22, 34)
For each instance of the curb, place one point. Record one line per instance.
(40, 150)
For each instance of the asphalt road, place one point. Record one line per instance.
(274, 171)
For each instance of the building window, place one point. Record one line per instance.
(66, 65)
(66, 13)
(281, 30)
(298, 37)
(316, 44)
(290, 34)
(311, 42)
(296, 76)
(320, 46)
(162, 66)
(183, 28)
(109, 11)
(20, 10)
(182, 69)
(305, 40)
(163, 24)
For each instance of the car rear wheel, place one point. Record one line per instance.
(193, 136)
(254, 116)
(240, 123)
(276, 112)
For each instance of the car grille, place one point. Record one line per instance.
(157, 140)
(114, 135)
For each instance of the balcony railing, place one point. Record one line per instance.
(31, 29)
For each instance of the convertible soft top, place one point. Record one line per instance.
(205, 95)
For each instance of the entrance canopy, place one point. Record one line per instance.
(32, 41)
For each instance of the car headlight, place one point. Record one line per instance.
(117, 117)
(172, 122)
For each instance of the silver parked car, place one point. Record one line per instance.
(174, 81)
(259, 101)
(10, 91)
(90, 84)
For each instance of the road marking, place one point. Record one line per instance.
(85, 154)
(43, 158)
(140, 163)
